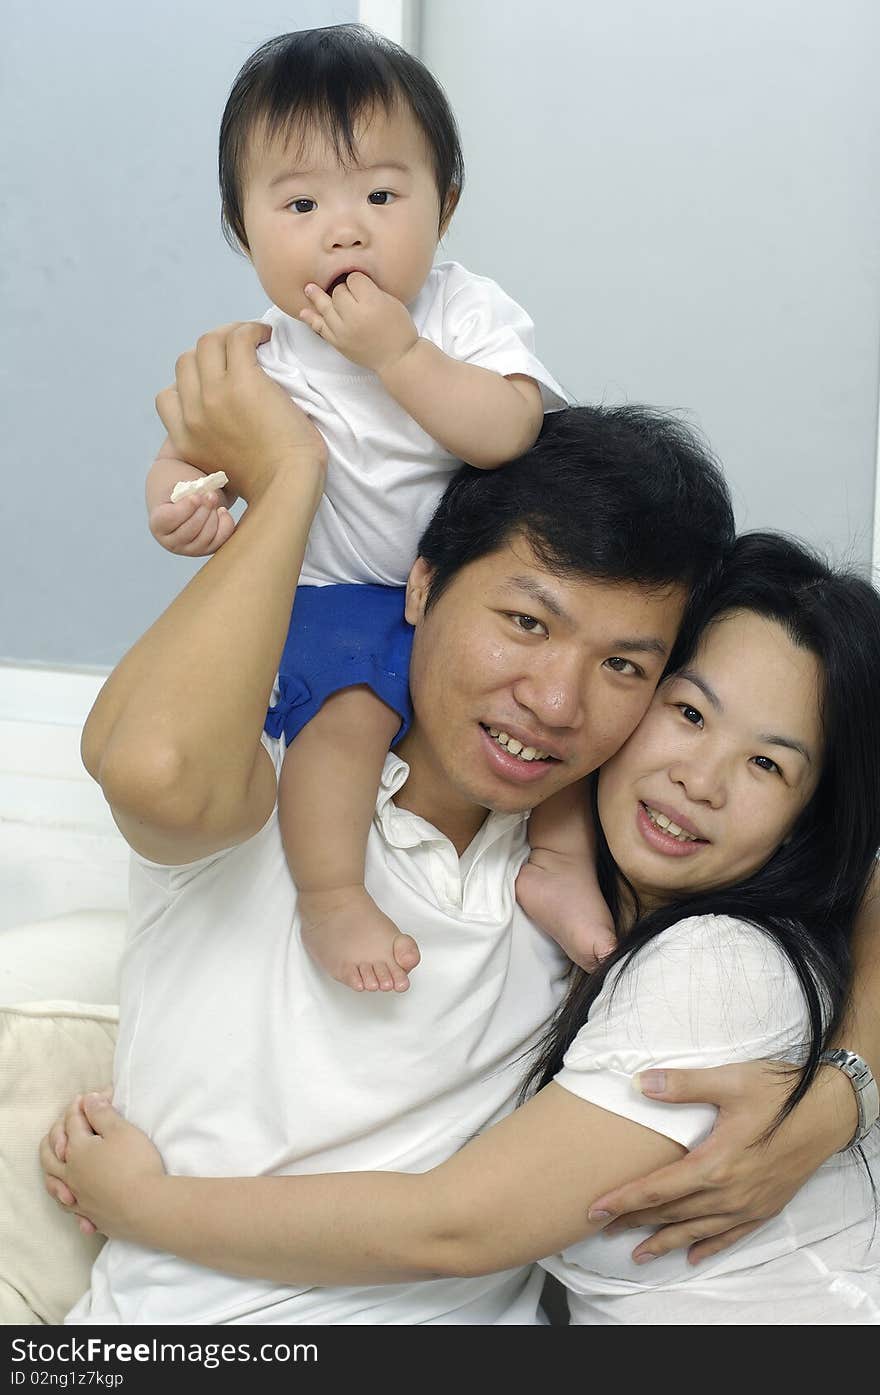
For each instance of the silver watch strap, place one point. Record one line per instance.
(864, 1086)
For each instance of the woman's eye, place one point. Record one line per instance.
(528, 624)
(303, 205)
(765, 763)
(690, 714)
(381, 196)
(624, 666)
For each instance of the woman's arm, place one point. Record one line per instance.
(861, 1029)
(511, 1196)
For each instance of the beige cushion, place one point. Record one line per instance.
(49, 1052)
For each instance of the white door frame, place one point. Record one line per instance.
(875, 560)
(398, 20)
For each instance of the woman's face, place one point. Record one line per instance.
(727, 756)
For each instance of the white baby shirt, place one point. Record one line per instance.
(385, 474)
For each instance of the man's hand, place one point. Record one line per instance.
(99, 1167)
(225, 413)
(735, 1180)
(196, 526)
(364, 323)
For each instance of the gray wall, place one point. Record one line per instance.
(112, 264)
(683, 192)
(685, 195)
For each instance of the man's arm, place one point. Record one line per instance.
(733, 1182)
(174, 736)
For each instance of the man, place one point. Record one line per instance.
(546, 603)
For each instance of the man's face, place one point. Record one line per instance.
(562, 666)
(309, 218)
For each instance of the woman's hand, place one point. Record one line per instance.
(99, 1167)
(225, 413)
(737, 1179)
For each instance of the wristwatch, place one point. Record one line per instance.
(865, 1087)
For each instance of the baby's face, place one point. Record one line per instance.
(309, 218)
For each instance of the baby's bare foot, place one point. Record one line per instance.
(345, 932)
(560, 894)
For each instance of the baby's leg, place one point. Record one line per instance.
(326, 799)
(558, 887)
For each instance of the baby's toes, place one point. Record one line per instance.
(368, 977)
(385, 977)
(406, 952)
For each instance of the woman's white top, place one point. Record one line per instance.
(385, 474)
(709, 991)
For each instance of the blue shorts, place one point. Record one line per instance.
(340, 637)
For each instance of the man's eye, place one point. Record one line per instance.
(690, 714)
(303, 205)
(624, 666)
(528, 624)
(381, 196)
(765, 763)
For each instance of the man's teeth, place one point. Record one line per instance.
(669, 827)
(516, 748)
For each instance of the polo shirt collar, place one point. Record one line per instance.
(401, 828)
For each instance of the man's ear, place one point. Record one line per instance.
(448, 209)
(418, 585)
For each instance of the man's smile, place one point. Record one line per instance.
(520, 744)
(510, 764)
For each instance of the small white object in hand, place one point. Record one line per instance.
(202, 486)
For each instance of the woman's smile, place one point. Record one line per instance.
(664, 835)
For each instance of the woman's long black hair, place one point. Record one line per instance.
(806, 896)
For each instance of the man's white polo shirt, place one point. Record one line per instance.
(239, 1057)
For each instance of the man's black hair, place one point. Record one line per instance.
(326, 80)
(612, 493)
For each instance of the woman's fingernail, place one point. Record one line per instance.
(599, 1215)
(643, 1259)
(652, 1082)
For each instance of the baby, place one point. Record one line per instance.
(340, 169)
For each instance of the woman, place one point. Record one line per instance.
(735, 857)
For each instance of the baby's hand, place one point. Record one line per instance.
(196, 526)
(364, 323)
